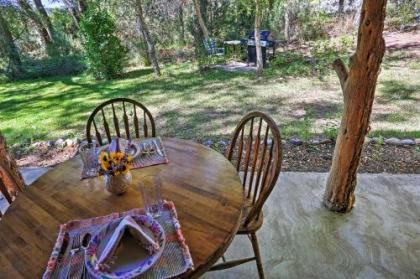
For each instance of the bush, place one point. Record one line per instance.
(104, 52)
(314, 25)
(291, 63)
(62, 59)
(323, 54)
(403, 13)
(52, 66)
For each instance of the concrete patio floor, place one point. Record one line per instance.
(29, 176)
(380, 238)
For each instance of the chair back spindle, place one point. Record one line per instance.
(256, 150)
(120, 113)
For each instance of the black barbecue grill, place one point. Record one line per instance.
(266, 42)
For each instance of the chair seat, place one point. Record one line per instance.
(254, 225)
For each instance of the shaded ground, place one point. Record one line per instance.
(376, 158)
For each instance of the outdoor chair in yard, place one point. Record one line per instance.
(129, 119)
(256, 150)
(11, 181)
(212, 49)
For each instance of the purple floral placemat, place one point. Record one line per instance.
(174, 261)
(144, 159)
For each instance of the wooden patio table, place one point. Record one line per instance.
(204, 186)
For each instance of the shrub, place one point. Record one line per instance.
(325, 52)
(291, 63)
(63, 60)
(402, 13)
(104, 52)
(52, 66)
(313, 25)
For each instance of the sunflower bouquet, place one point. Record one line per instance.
(114, 161)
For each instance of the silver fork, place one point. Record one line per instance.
(157, 148)
(147, 151)
(81, 271)
(75, 247)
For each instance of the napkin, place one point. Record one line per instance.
(126, 226)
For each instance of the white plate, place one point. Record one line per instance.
(132, 260)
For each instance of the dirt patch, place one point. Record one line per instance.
(403, 41)
(376, 158)
(44, 156)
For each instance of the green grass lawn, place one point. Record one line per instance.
(188, 104)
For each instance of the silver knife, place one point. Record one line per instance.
(57, 270)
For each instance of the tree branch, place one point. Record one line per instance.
(342, 72)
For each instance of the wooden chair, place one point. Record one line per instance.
(132, 115)
(256, 150)
(11, 181)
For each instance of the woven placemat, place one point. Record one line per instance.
(141, 161)
(174, 261)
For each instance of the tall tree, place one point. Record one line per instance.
(257, 24)
(358, 85)
(144, 30)
(44, 17)
(200, 20)
(8, 47)
(76, 8)
(181, 23)
(43, 30)
(287, 21)
(340, 6)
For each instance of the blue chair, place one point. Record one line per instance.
(212, 49)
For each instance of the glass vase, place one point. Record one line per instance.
(118, 184)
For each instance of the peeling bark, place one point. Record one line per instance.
(10, 178)
(358, 86)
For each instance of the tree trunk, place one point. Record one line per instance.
(73, 13)
(287, 23)
(42, 29)
(45, 18)
(10, 178)
(356, 19)
(340, 6)
(259, 63)
(82, 6)
(8, 47)
(76, 9)
(358, 85)
(151, 52)
(181, 24)
(200, 20)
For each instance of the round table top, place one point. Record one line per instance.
(203, 185)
